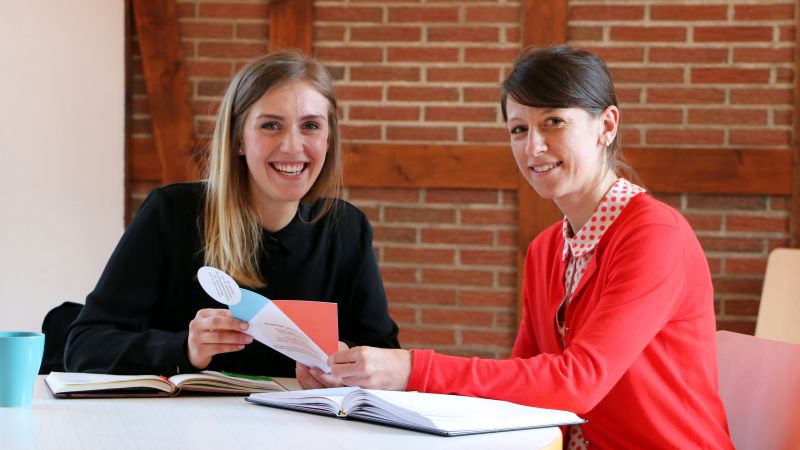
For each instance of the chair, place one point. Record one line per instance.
(55, 326)
(759, 383)
(779, 312)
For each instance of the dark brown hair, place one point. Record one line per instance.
(566, 77)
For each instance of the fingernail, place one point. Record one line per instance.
(242, 326)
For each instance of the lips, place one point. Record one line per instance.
(542, 168)
(289, 168)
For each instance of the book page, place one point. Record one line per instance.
(77, 382)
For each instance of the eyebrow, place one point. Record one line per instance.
(279, 117)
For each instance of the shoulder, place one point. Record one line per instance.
(342, 213)
(180, 193)
(174, 201)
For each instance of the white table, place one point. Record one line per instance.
(217, 422)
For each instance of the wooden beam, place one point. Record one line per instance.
(794, 201)
(291, 25)
(167, 87)
(544, 23)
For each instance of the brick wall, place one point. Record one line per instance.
(689, 74)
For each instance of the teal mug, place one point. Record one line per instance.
(20, 358)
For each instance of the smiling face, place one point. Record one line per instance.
(561, 151)
(285, 141)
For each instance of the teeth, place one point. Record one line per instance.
(289, 169)
(546, 167)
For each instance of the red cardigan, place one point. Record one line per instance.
(640, 358)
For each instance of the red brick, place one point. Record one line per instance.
(507, 279)
(460, 114)
(211, 88)
(510, 14)
(685, 137)
(421, 295)
(741, 307)
(746, 266)
(230, 50)
(513, 35)
(704, 222)
(423, 54)
(347, 54)
(385, 34)
(205, 30)
(688, 55)
(435, 316)
(772, 244)
(418, 255)
(778, 203)
(329, 33)
(456, 236)
(347, 14)
(423, 215)
(506, 238)
(688, 12)
(733, 34)
(723, 244)
(728, 116)
(482, 94)
(186, 10)
(496, 338)
(761, 137)
(461, 196)
(490, 55)
(139, 106)
(758, 223)
(729, 75)
(714, 265)
(463, 34)
(784, 75)
(355, 92)
(783, 117)
(384, 194)
(764, 96)
(631, 136)
(418, 133)
(584, 33)
(726, 285)
(384, 73)
(737, 326)
(647, 75)
(618, 54)
(205, 107)
(763, 12)
(398, 274)
(423, 14)
(234, 10)
(403, 315)
(605, 13)
(488, 217)
(254, 31)
(464, 74)
(141, 126)
(393, 113)
(486, 134)
(395, 234)
(458, 277)
(423, 93)
(653, 116)
(725, 201)
(629, 95)
(648, 34)
(487, 298)
(488, 257)
(427, 336)
(685, 95)
(765, 55)
(786, 33)
(362, 132)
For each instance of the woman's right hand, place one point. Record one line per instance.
(214, 331)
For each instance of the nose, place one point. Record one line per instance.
(536, 143)
(292, 142)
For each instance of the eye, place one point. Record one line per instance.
(554, 122)
(270, 125)
(311, 125)
(518, 129)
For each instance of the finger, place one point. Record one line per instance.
(325, 379)
(224, 337)
(305, 379)
(343, 346)
(215, 349)
(222, 322)
(208, 312)
(347, 370)
(344, 356)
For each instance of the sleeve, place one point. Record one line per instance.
(112, 334)
(643, 289)
(367, 320)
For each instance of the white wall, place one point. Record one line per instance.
(61, 151)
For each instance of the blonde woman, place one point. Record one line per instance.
(267, 215)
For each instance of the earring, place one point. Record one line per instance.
(241, 151)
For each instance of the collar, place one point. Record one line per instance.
(607, 211)
(293, 237)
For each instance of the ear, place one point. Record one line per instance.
(610, 123)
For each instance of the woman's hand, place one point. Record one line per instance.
(214, 331)
(372, 368)
(313, 378)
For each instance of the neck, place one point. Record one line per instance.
(580, 206)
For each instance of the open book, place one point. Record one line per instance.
(87, 385)
(446, 415)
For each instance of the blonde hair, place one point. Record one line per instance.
(231, 224)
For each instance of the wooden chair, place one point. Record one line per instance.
(759, 383)
(779, 312)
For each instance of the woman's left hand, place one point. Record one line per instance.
(313, 378)
(372, 368)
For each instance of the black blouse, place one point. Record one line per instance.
(136, 321)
